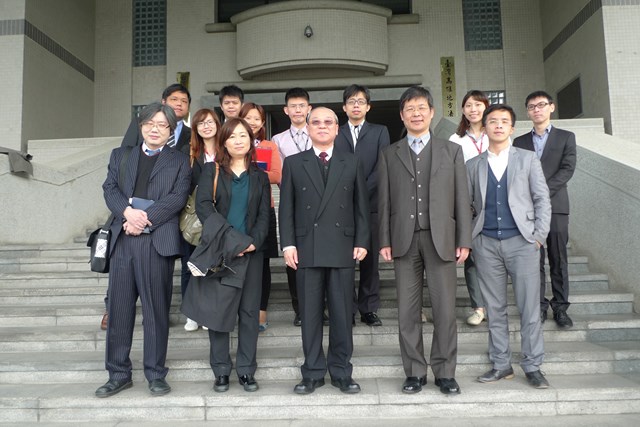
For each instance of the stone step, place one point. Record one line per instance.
(283, 363)
(380, 403)
(60, 338)
(576, 264)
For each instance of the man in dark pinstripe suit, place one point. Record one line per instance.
(144, 244)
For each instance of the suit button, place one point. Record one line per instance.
(337, 224)
(412, 179)
(308, 206)
(341, 206)
(345, 188)
(413, 198)
(315, 225)
(412, 216)
(304, 188)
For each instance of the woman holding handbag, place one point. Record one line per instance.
(269, 160)
(201, 150)
(241, 203)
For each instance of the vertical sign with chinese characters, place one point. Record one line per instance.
(448, 77)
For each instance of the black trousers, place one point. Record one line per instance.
(558, 265)
(336, 284)
(367, 299)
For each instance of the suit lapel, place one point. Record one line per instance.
(310, 164)
(132, 170)
(335, 172)
(436, 150)
(346, 133)
(512, 167)
(548, 146)
(402, 151)
(483, 171)
(164, 157)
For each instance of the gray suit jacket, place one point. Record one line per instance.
(528, 193)
(449, 206)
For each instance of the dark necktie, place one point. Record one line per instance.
(356, 132)
(323, 158)
(325, 165)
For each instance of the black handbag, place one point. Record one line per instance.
(100, 239)
(99, 242)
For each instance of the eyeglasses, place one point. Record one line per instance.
(148, 125)
(353, 102)
(209, 123)
(327, 123)
(495, 122)
(539, 106)
(422, 109)
(297, 106)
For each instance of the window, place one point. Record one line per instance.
(482, 24)
(228, 8)
(570, 100)
(149, 32)
(496, 96)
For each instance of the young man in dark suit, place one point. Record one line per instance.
(425, 226)
(145, 240)
(556, 149)
(366, 140)
(324, 229)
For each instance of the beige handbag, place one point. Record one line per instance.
(190, 224)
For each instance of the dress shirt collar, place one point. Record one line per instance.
(329, 152)
(546, 131)
(145, 147)
(424, 137)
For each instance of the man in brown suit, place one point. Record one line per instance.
(425, 225)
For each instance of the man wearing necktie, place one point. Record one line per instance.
(366, 140)
(324, 229)
(144, 245)
(425, 226)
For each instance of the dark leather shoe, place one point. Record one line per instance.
(308, 385)
(159, 387)
(297, 321)
(103, 322)
(562, 319)
(346, 384)
(371, 319)
(112, 387)
(543, 316)
(221, 383)
(248, 382)
(496, 374)
(414, 384)
(448, 385)
(537, 379)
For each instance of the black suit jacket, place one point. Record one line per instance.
(133, 136)
(324, 223)
(169, 184)
(258, 204)
(371, 141)
(558, 164)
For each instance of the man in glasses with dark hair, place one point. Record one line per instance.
(324, 229)
(556, 150)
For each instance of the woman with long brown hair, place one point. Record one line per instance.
(268, 158)
(201, 150)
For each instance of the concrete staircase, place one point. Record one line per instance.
(52, 357)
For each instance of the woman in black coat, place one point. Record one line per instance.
(242, 197)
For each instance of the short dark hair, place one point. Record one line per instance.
(154, 108)
(296, 92)
(464, 124)
(232, 91)
(538, 94)
(498, 107)
(353, 90)
(176, 87)
(415, 92)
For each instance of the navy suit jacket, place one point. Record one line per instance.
(558, 164)
(325, 223)
(169, 184)
(133, 137)
(371, 141)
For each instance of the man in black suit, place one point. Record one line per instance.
(178, 98)
(324, 228)
(145, 239)
(556, 149)
(366, 140)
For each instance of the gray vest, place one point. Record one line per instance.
(422, 169)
